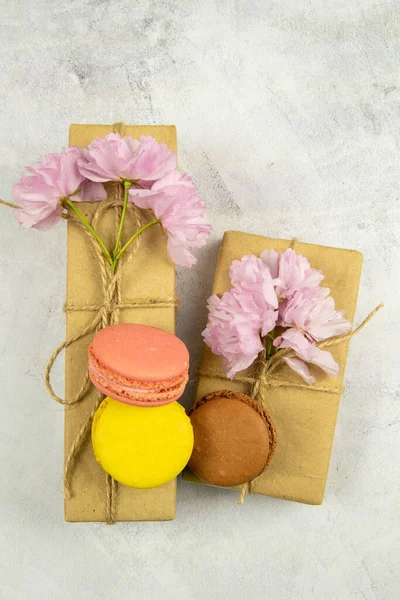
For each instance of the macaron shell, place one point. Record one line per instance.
(234, 438)
(136, 398)
(141, 448)
(140, 353)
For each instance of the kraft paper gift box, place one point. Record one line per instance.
(305, 419)
(149, 275)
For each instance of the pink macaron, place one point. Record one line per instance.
(138, 364)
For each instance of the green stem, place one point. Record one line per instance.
(90, 228)
(129, 242)
(268, 345)
(127, 185)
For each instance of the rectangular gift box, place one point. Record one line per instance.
(149, 275)
(305, 419)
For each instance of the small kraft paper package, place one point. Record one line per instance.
(305, 418)
(146, 291)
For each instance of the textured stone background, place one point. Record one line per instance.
(288, 118)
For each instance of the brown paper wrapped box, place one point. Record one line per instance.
(305, 419)
(149, 275)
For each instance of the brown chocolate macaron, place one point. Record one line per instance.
(234, 438)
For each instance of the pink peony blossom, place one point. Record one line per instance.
(113, 158)
(307, 351)
(310, 316)
(277, 289)
(313, 312)
(233, 330)
(55, 177)
(174, 200)
(251, 274)
(292, 269)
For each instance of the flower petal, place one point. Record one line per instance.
(292, 338)
(301, 369)
(233, 330)
(180, 255)
(174, 200)
(69, 178)
(91, 191)
(320, 358)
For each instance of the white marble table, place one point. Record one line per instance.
(288, 116)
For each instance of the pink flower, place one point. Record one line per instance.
(310, 316)
(174, 200)
(55, 177)
(233, 330)
(307, 351)
(313, 312)
(277, 289)
(113, 158)
(252, 275)
(292, 269)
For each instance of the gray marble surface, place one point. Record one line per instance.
(288, 118)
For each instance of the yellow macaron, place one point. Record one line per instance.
(141, 447)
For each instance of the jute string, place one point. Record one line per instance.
(263, 380)
(10, 204)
